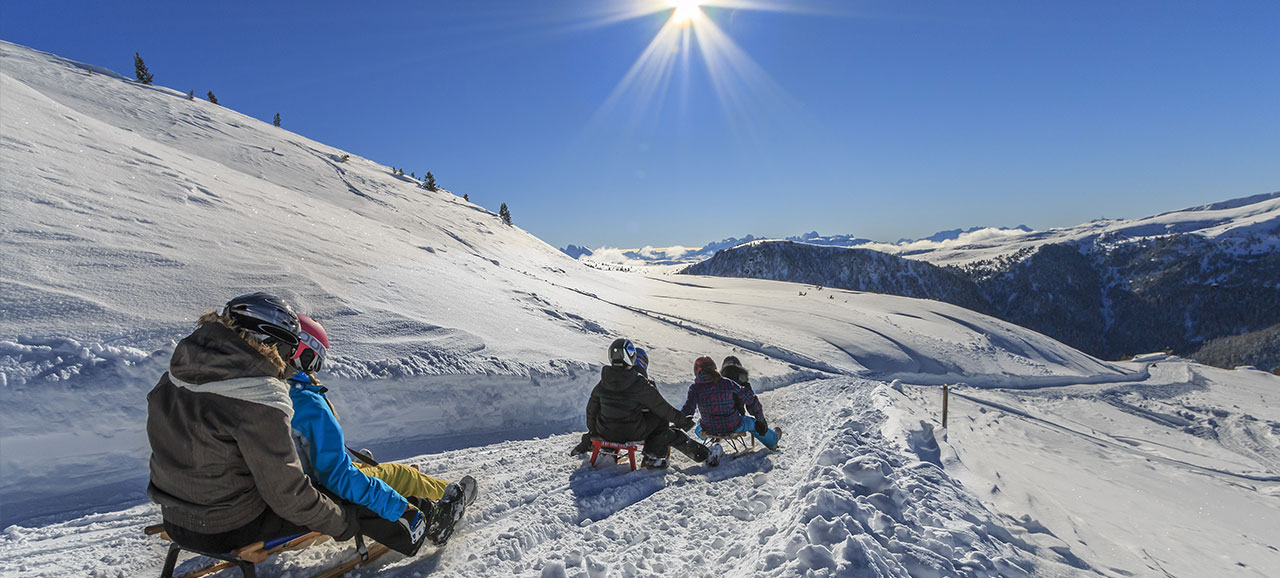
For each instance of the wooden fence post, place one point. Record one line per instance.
(946, 390)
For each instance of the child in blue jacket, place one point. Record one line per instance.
(715, 398)
(386, 488)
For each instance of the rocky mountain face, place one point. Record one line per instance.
(1107, 296)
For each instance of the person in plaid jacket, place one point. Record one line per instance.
(715, 398)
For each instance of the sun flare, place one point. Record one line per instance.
(686, 11)
(661, 74)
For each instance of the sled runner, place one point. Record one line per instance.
(736, 444)
(245, 558)
(600, 446)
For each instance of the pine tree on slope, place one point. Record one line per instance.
(140, 69)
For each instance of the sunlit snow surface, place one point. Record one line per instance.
(461, 343)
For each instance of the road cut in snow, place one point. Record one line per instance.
(839, 499)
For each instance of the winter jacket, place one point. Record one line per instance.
(716, 401)
(323, 450)
(624, 407)
(221, 450)
(740, 376)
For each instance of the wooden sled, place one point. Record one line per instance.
(245, 558)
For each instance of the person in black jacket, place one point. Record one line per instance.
(732, 368)
(624, 407)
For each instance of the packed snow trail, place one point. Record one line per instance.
(838, 499)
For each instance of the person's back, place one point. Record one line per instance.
(624, 406)
(222, 457)
(623, 402)
(733, 369)
(322, 448)
(388, 490)
(716, 399)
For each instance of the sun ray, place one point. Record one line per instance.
(740, 83)
(741, 86)
(649, 76)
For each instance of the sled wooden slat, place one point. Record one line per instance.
(252, 554)
(375, 552)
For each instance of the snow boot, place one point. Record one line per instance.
(449, 509)
(717, 452)
(583, 448)
(777, 430)
(652, 462)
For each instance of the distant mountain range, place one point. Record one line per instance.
(677, 255)
(1110, 288)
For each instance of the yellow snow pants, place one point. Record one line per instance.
(406, 480)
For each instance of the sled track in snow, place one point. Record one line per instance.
(839, 498)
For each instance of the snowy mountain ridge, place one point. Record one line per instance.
(1237, 221)
(1168, 282)
(463, 345)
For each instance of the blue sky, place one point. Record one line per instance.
(874, 118)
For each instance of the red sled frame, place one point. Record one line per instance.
(630, 448)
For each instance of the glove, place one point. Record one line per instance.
(414, 525)
(762, 426)
(353, 524)
(685, 423)
(583, 446)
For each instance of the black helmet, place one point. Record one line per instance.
(730, 361)
(266, 315)
(622, 353)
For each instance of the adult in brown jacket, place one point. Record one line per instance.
(223, 465)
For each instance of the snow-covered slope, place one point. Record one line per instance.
(129, 210)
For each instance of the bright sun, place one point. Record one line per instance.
(686, 11)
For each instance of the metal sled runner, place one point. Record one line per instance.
(735, 444)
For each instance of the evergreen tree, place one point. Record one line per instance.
(191, 95)
(429, 181)
(212, 98)
(413, 176)
(140, 69)
(276, 121)
(505, 214)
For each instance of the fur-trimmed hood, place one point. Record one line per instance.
(216, 359)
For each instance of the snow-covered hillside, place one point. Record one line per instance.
(461, 344)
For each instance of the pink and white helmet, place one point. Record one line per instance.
(313, 346)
